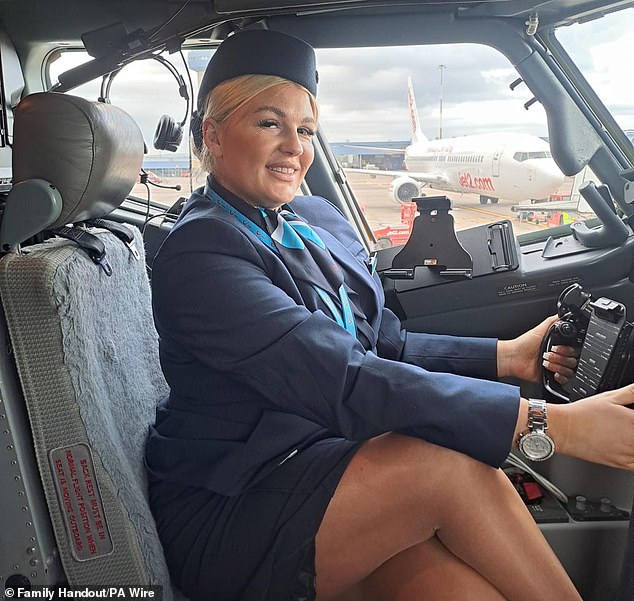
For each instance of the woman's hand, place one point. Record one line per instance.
(521, 357)
(599, 428)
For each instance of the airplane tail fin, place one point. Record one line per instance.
(417, 132)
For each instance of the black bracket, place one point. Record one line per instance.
(433, 243)
(612, 231)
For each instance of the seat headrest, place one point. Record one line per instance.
(90, 151)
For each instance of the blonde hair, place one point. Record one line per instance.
(228, 96)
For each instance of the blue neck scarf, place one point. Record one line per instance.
(303, 252)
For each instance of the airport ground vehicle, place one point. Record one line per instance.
(397, 234)
(581, 131)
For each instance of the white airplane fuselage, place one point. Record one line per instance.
(510, 166)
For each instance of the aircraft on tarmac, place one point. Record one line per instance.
(512, 166)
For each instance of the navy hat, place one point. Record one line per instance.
(256, 52)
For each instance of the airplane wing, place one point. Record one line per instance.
(426, 178)
(380, 149)
(555, 205)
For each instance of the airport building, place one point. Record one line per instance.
(370, 155)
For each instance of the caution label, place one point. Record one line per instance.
(518, 288)
(80, 500)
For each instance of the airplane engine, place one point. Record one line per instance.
(404, 189)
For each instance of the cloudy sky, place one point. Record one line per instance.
(363, 95)
(475, 91)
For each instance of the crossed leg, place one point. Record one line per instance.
(411, 520)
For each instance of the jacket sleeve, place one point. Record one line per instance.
(214, 296)
(466, 356)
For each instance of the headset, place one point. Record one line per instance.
(169, 133)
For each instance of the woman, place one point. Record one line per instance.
(310, 449)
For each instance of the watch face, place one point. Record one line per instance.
(537, 447)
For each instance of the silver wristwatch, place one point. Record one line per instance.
(534, 443)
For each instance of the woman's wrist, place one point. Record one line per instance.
(559, 427)
(522, 420)
(504, 359)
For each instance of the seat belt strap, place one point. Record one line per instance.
(88, 242)
(120, 231)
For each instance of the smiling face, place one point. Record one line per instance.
(262, 151)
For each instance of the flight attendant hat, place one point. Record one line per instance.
(256, 52)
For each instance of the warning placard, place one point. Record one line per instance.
(80, 500)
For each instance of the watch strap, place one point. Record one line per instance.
(537, 416)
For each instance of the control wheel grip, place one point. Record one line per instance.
(565, 333)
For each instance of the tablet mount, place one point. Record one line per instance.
(433, 243)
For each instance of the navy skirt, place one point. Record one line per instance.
(256, 546)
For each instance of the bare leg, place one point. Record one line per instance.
(399, 492)
(426, 571)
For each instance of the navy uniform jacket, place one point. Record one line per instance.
(256, 372)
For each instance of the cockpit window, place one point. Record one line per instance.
(476, 141)
(602, 51)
